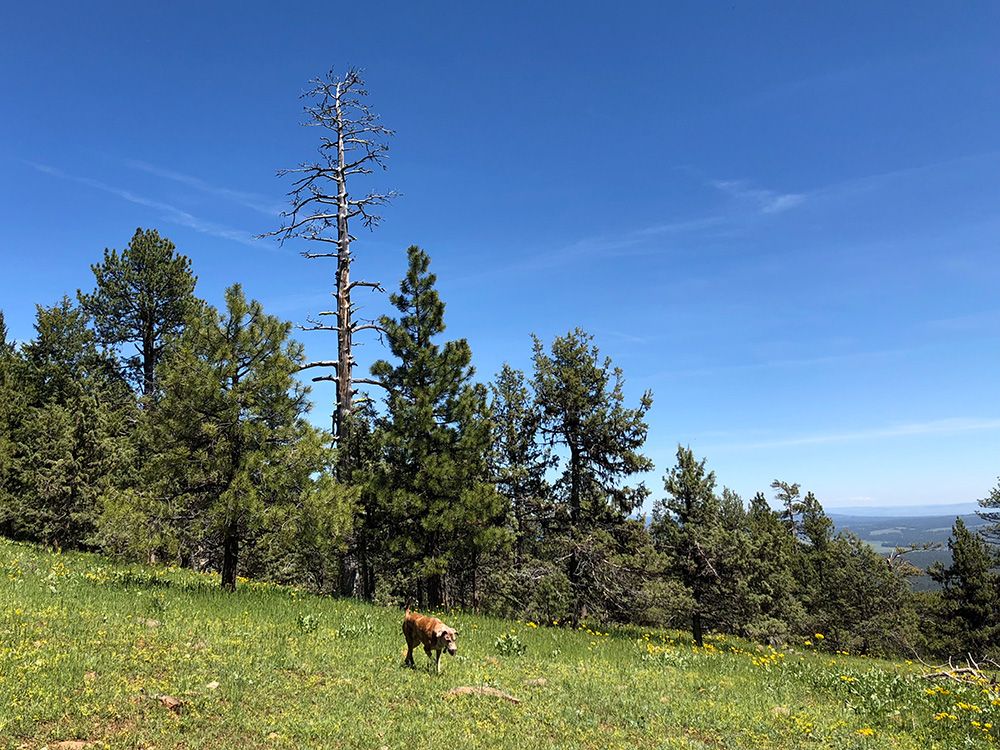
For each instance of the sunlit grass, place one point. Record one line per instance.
(88, 648)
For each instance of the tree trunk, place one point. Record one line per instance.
(573, 571)
(475, 584)
(696, 629)
(434, 596)
(148, 363)
(230, 555)
(345, 362)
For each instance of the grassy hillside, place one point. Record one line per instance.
(96, 652)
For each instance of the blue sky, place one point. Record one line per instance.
(781, 218)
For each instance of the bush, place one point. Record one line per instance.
(509, 644)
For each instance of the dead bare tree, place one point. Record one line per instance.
(897, 562)
(353, 143)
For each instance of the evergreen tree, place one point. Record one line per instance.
(444, 514)
(11, 414)
(6, 347)
(231, 440)
(520, 460)
(788, 496)
(302, 540)
(970, 590)
(688, 524)
(70, 423)
(143, 296)
(817, 528)
(991, 513)
(582, 401)
(774, 607)
(360, 469)
(859, 603)
(815, 534)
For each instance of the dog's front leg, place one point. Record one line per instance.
(438, 661)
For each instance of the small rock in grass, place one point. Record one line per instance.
(213, 685)
(89, 676)
(537, 682)
(781, 711)
(171, 703)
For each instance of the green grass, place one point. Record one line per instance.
(87, 647)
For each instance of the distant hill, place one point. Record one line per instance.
(885, 532)
(906, 511)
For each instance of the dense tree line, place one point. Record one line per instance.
(143, 422)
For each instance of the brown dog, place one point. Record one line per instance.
(430, 632)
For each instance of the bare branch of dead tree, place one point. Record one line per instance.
(353, 143)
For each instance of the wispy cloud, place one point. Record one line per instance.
(168, 212)
(923, 172)
(792, 362)
(636, 242)
(987, 320)
(764, 201)
(950, 426)
(253, 201)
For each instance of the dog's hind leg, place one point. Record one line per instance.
(408, 661)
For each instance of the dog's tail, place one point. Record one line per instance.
(409, 603)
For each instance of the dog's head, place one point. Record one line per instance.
(445, 637)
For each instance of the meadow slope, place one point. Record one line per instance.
(96, 652)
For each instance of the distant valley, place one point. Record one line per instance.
(886, 532)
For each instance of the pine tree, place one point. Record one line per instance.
(520, 459)
(814, 537)
(688, 523)
(788, 496)
(970, 590)
(230, 435)
(991, 513)
(817, 528)
(582, 400)
(143, 296)
(443, 513)
(70, 431)
(859, 603)
(774, 606)
(12, 408)
(6, 347)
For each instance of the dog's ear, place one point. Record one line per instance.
(439, 631)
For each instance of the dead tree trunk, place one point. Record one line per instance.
(353, 142)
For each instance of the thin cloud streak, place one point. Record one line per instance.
(875, 180)
(766, 201)
(642, 241)
(170, 213)
(258, 203)
(783, 363)
(950, 426)
(628, 244)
